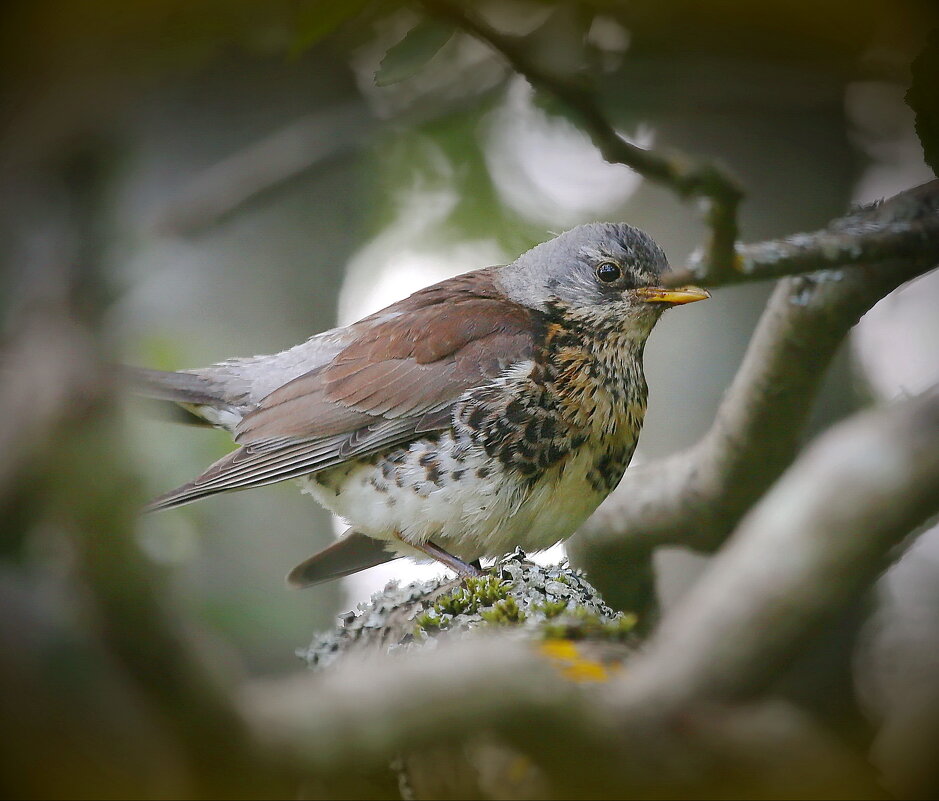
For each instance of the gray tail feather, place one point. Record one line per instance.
(176, 387)
(354, 552)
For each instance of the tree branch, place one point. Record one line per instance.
(229, 184)
(696, 497)
(65, 471)
(818, 538)
(689, 177)
(365, 713)
(905, 227)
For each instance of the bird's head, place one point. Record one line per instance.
(603, 271)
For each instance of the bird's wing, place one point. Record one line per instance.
(399, 376)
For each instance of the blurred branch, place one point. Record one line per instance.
(818, 538)
(64, 476)
(696, 497)
(585, 741)
(365, 712)
(229, 184)
(689, 177)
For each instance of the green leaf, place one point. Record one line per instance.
(923, 98)
(320, 18)
(418, 47)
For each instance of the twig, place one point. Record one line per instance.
(905, 227)
(690, 178)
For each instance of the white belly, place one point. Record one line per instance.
(468, 509)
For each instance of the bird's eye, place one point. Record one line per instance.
(608, 272)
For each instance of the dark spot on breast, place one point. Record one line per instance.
(548, 429)
(456, 475)
(524, 448)
(533, 432)
(515, 412)
(483, 472)
(432, 472)
(476, 417)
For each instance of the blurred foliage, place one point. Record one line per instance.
(923, 97)
(419, 46)
(320, 18)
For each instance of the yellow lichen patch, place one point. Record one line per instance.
(560, 649)
(585, 670)
(574, 665)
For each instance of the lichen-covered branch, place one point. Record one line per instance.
(695, 498)
(689, 177)
(369, 710)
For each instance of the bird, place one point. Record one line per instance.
(489, 412)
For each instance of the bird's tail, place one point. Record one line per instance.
(195, 398)
(354, 552)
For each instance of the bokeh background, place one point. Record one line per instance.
(249, 184)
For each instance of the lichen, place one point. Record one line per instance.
(539, 603)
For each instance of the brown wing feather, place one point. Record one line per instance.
(414, 357)
(398, 377)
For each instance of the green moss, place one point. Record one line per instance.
(551, 609)
(429, 621)
(455, 604)
(472, 594)
(486, 589)
(503, 612)
(581, 624)
(468, 598)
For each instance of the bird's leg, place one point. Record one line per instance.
(460, 567)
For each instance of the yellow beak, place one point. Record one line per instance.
(660, 294)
